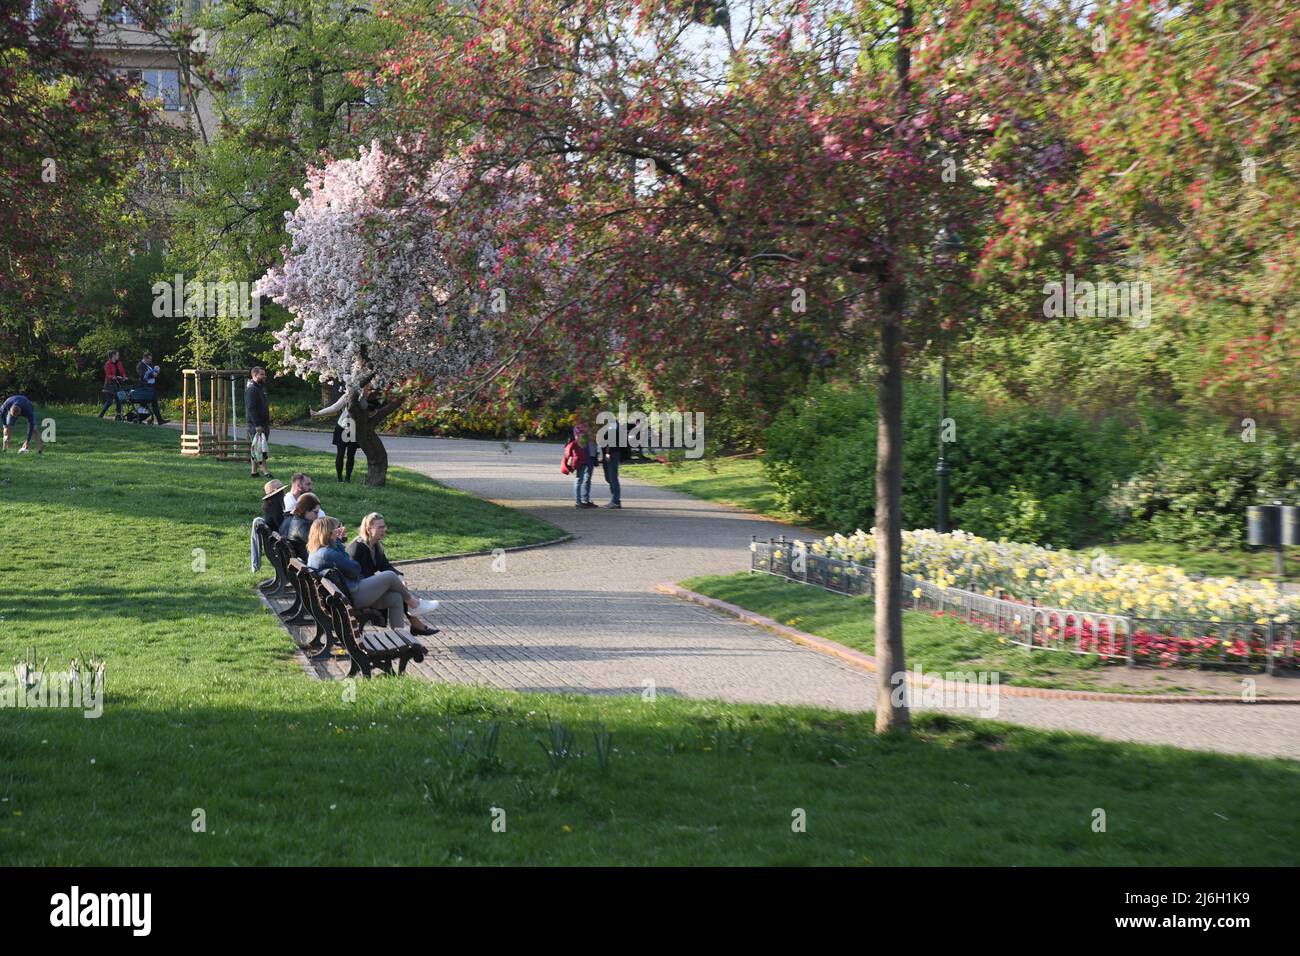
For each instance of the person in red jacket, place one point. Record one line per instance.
(580, 460)
(114, 378)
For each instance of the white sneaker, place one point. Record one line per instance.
(425, 607)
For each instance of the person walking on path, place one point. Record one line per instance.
(257, 418)
(148, 373)
(114, 381)
(580, 460)
(14, 406)
(611, 457)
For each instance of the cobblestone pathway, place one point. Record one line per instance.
(580, 616)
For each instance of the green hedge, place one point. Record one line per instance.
(1026, 475)
(1196, 484)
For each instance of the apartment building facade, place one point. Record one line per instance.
(156, 59)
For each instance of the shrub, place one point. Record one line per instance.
(1197, 483)
(1024, 474)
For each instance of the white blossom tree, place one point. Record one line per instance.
(385, 283)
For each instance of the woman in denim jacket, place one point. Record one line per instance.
(384, 591)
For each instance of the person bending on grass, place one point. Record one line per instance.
(384, 591)
(296, 526)
(367, 550)
(14, 406)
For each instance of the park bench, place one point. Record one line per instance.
(279, 551)
(369, 649)
(266, 537)
(299, 612)
(307, 585)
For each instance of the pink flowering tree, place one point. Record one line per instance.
(753, 193)
(386, 283)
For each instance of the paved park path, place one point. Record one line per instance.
(582, 616)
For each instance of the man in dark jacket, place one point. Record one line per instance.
(14, 406)
(257, 418)
(148, 373)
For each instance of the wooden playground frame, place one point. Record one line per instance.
(221, 439)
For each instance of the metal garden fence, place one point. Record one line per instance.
(1136, 641)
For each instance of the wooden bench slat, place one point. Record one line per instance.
(374, 642)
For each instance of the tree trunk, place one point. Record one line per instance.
(371, 443)
(891, 670)
(892, 712)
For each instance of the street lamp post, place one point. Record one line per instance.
(941, 470)
(951, 243)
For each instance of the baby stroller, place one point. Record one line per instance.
(138, 397)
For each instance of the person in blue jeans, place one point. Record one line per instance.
(610, 457)
(580, 457)
(14, 406)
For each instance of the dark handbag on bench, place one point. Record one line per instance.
(365, 615)
(335, 577)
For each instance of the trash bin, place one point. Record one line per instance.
(1290, 525)
(1262, 526)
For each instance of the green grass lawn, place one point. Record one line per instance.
(207, 711)
(1236, 564)
(933, 643)
(732, 481)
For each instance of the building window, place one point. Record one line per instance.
(161, 85)
(123, 16)
(166, 9)
(239, 90)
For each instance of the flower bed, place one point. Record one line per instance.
(1069, 601)
(1072, 579)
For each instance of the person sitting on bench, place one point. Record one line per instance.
(367, 550)
(296, 527)
(298, 484)
(273, 504)
(384, 591)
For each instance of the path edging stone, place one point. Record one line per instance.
(858, 659)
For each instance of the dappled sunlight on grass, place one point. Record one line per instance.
(207, 709)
